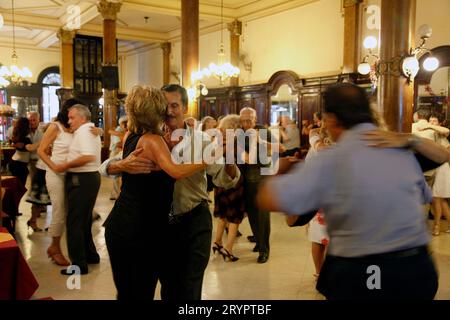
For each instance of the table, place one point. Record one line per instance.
(17, 282)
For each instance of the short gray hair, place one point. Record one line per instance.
(33, 113)
(248, 109)
(82, 110)
(231, 121)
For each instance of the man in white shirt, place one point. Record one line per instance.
(420, 128)
(424, 129)
(82, 186)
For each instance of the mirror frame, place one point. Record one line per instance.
(424, 77)
(285, 77)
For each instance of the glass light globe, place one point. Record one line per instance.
(364, 68)
(204, 91)
(431, 63)
(410, 66)
(3, 82)
(27, 73)
(15, 69)
(370, 42)
(425, 31)
(191, 93)
(206, 72)
(101, 101)
(3, 71)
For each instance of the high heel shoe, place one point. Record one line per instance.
(216, 247)
(436, 230)
(226, 255)
(33, 225)
(58, 258)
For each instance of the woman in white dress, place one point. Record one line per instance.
(441, 186)
(53, 150)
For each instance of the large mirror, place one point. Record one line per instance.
(435, 95)
(284, 115)
(283, 103)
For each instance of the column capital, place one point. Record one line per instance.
(166, 47)
(235, 28)
(351, 3)
(108, 9)
(66, 36)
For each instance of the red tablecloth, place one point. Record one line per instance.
(17, 282)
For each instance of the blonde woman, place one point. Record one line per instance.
(136, 228)
(228, 203)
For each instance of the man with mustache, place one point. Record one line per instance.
(190, 231)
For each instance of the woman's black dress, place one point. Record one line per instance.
(136, 230)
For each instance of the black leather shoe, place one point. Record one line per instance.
(263, 257)
(238, 234)
(93, 260)
(256, 249)
(66, 272)
(251, 239)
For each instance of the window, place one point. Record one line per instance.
(50, 102)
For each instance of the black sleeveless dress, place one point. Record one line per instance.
(141, 211)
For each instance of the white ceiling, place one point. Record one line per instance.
(37, 21)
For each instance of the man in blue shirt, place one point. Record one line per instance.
(372, 200)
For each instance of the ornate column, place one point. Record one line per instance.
(167, 49)
(66, 64)
(109, 12)
(235, 29)
(351, 35)
(395, 94)
(189, 46)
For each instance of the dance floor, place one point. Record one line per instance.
(288, 275)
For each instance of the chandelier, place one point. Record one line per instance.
(223, 70)
(13, 74)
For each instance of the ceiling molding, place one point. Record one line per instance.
(175, 36)
(141, 49)
(46, 39)
(260, 10)
(27, 46)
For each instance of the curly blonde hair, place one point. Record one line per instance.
(146, 109)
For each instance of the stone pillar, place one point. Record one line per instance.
(66, 60)
(167, 49)
(189, 46)
(109, 12)
(235, 29)
(395, 94)
(351, 35)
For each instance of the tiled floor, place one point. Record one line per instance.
(288, 274)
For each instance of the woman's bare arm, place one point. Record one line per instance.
(155, 148)
(47, 140)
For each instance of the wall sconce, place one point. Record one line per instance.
(199, 88)
(406, 65)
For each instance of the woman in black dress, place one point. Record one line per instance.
(228, 203)
(136, 228)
